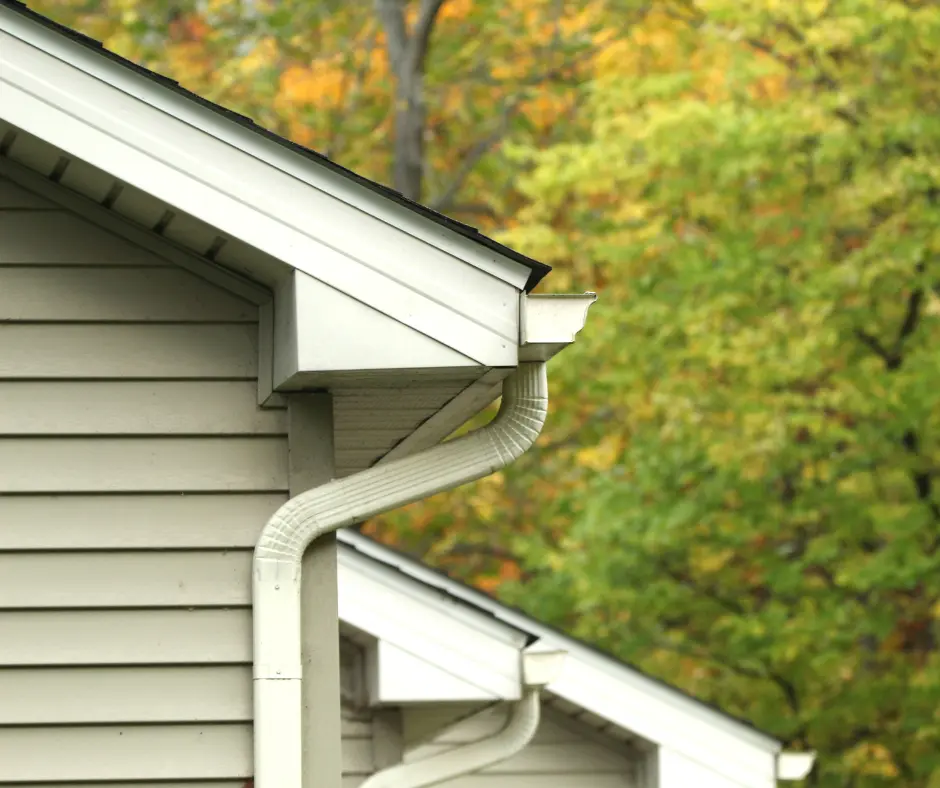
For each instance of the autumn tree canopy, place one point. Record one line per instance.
(739, 486)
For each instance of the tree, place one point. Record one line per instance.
(739, 490)
(419, 94)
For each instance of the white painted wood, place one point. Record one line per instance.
(423, 724)
(188, 231)
(116, 695)
(134, 522)
(301, 168)
(679, 771)
(126, 752)
(125, 637)
(470, 727)
(649, 712)
(78, 294)
(354, 781)
(34, 153)
(395, 415)
(284, 350)
(484, 654)
(16, 197)
(173, 784)
(123, 407)
(596, 684)
(387, 744)
(125, 580)
(180, 465)
(543, 781)
(43, 351)
(379, 438)
(455, 413)
(59, 238)
(330, 331)
(417, 398)
(266, 395)
(85, 187)
(136, 205)
(240, 196)
(397, 677)
(549, 323)
(82, 696)
(564, 758)
(311, 465)
(557, 750)
(356, 459)
(389, 378)
(83, 180)
(793, 766)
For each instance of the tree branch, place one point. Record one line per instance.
(421, 33)
(890, 360)
(445, 200)
(392, 15)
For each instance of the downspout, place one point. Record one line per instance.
(539, 668)
(277, 559)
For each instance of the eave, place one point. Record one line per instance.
(253, 216)
(358, 292)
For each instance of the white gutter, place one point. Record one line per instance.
(539, 668)
(283, 541)
(793, 766)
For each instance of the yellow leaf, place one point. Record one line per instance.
(601, 456)
(712, 561)
(933, 304)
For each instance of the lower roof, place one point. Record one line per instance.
(414, 571)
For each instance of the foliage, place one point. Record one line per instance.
(738, 488)
(325, 75)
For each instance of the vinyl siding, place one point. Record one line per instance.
(135, 473)
(563, 754)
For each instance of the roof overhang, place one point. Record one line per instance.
(357, 288)
(395, 599)
(122, 124)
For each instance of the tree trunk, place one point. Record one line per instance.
(410, 117)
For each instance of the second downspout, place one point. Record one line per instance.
(276, 572)
(539, 668)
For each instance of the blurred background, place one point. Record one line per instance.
(738, 489)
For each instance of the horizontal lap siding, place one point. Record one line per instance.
(136, 471)
(561, 755)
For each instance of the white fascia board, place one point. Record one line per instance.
(627, 698)
(424, 288)
(632, 704)
(675, 770)
(395, 677)
(265, 150)
(425, 624)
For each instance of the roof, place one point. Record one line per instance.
(422, 573)
(608, 674)
(537, 270)
(448, 627)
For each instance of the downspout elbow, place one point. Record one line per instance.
(342, 502)
(541, 665)
(518, 732)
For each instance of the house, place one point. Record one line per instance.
(216, 350)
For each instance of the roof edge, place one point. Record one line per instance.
(422, 573)
(241, 132)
